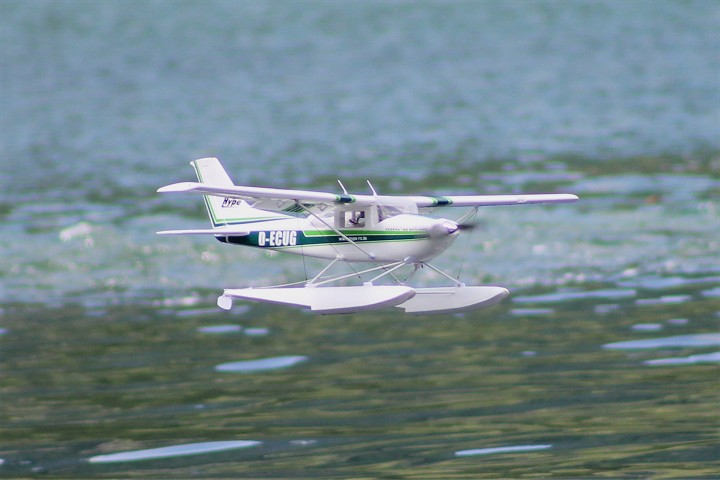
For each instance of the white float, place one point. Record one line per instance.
(330, 300)
(324, 300)
(453, 299)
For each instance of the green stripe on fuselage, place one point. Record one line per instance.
(298, 238)
(351, 232)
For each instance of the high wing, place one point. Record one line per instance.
(214, 181)
(277, 199)
(429, 202)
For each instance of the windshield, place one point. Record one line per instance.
(386, 210)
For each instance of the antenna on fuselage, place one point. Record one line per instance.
(371, 188)
(343, 187)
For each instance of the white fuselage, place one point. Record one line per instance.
(404, 237)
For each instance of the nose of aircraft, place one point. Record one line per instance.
(445, 227)
(450, 227)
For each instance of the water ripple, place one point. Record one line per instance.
(220, 329)
(691, 360)
(248, 366)
(512, 449)
(664, 300)
(565, 296)
(173, 451)
(697, 340)
(647, 327)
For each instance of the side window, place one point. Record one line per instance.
(354, 219)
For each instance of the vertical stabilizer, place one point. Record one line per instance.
(210, 170)
(226, 210)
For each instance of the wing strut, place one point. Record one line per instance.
(458, 282)
(335, 260)
(391, 266)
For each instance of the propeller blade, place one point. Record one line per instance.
(469, 226)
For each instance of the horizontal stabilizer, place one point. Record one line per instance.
(181, 187)
(453, 299)
(236, 191)
(221, 232)
(324, 300)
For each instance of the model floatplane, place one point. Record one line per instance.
(381, 229)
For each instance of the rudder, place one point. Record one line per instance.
(210, 170)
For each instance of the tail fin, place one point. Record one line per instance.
(210, 171)
(225, 210)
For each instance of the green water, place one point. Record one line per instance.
(380, 395)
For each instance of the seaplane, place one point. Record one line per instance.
(389, 231)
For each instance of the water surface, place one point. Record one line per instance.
(110, 337)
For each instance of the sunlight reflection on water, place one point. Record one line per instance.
(257, 332)
(173, 451)
(248, 366)
(690, 360)
(660, 283)
(562, 296)
(606, 308)
(647, 327)
(664, 300)
(713, 292)
(532, 311)
(220, 329)
(698, 340)
(513, 449)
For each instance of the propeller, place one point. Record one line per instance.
(470, 221)
(444, 227)
(470, 226)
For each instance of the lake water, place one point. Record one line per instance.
(602, 362)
